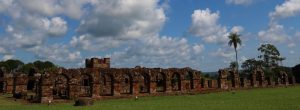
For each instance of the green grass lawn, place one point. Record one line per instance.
(255, 99)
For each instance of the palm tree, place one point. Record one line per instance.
(234, 39)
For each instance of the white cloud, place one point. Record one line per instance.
(7, 57)
(225, 53)
(87, 42)
(9, 29)
(292, 52)
(56, 26)
(297, 35)
(274, 34)
(291, 45)
(56, 53)
(239, 2)
(126, 19)
(158, 51)
(198, 48)
(4, 4)
(2, 50)
(243, 59)
(237, 29)
(51, 8)
(205, 25)
(287, 9)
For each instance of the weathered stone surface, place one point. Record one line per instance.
(99, 81)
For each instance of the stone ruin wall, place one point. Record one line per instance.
(99, 81)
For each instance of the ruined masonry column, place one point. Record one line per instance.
(74, 89)
(222, 80)
(196, 82)
(253, 79)
(46, 89)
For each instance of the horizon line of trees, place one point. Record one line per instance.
(270, 59)
(15, 65)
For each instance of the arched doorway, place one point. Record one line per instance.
(144, 83)
(126, 84)
(231, 78)
(2, 83)
(259, 78)
(61, 87)
(106, 85)
(176, 82)
(31, 80)
(86, 86)
(190, 79)
(160, 82)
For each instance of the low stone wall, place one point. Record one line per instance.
(107, 83)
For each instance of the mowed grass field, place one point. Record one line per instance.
(254, 99)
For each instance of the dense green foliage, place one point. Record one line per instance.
(268, 60)
(11, 65)
(270, 55)
(256, 99)
(17, 65)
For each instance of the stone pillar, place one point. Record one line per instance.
(268, 81)
(20, 84)
(46, 89)
(74, 90)
(222, 79)
(278, 81)
(168, 83)
(243, 83)
(253, 80)
(96, 89)
(117, 88)
(196, 82)
(136, 89)
(292, 80)
(9, 83)
(236, 79)
(153, 86)
(261, 82)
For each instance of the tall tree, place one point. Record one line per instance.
(270, 55)
(251, 64)
(234, 39)
(11, 65)
(233, 65)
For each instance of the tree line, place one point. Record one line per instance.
(270, 59)
(14, 65)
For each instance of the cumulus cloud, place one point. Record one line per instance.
(274, 34)
(239, 2)
(237, 29)
(224, 53)
(125, 19)
(56, 53)
(4, 4)
(56, 26)
(287, 9)
(90, 43)
(297, 35)
(205, 25)
(198, 48)
(158, 51)
(7, 57)
(51, 8)
(130, 26)
(2, 50)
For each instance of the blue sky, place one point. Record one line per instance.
(149, 33)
